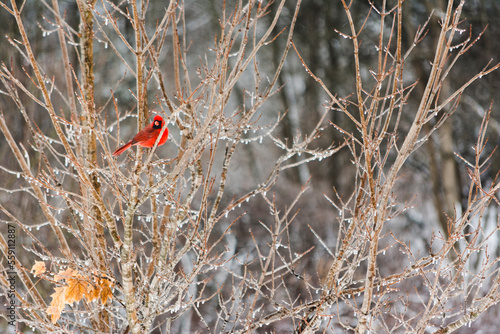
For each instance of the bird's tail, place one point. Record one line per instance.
(122, 149)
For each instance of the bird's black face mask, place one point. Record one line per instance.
(157, 125)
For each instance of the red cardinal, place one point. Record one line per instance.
(147, 136)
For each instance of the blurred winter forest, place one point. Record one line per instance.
(330, 167)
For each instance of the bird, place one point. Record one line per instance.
(147, 136)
